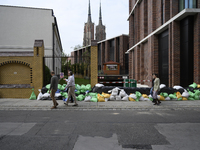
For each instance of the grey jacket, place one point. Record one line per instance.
(54, 83)
(156, 86)
(71, 82)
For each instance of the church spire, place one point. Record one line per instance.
(89, 14)
(100, 16)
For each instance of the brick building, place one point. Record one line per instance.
(164, 39)
(114, 49)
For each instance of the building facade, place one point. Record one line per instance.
(114, 49)
(21, 26)
(164, 39)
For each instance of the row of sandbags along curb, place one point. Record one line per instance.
(101, 93)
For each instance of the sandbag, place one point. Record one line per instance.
(88, 87)
(133, 96)
(48, 86)
(100, 98)
(87, 99)
(81, 97)
(112, 98)
(131, 99)
(194, 85)
(167, 99)
(106, 95)
(77, 87)
(185, 94)
(191, 98)
(178, 95)
(172, 96)
(44, 90)
(161, 98)
(93, 94)
(141, 98)
(191, 94)
(99, 85)
(184, 99)
(145, 96)
(39, 95)
(118, 98)
(122, 93)
(94, 99)
(33, 96)
(115, 92)
(138, 95)
(125, 98)
(177, 87)
(162, 86)
(57, 95)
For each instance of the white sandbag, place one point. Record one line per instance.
(158, 96)
(118, 98)
(141, 98)
(125, 98)
(146, 99)
(112, 98)
(99, 85)
(107, 99)
(133, 96)
(162, 86)
(57, 95)
(114, 92)
(177, 87)
(87, 99)
(185, 94)
(167, 99)
(39, 95)
(45, 95)
(150, 96)
(122, 93)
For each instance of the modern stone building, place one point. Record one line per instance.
(165, 39)
(21, 26)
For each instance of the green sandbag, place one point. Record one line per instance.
(180, 99)
(77, 87)
(77, 98)
(165, 95)
(197, 92)
(172, 96)
(77, 92)
(82, 91)
(138, 95)
(88, 87)
(93, 94)
(62, 88)
(48, 86)
(83, 87)
(81, 97)
(191, 94)
(94, 99)
(196, 97)
(151, 98)
(191, 98)
(194, 85)
(59, 86)
(33, 96)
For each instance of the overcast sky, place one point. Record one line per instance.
(72, 14)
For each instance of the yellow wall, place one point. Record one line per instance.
(94, 65)
(22, 70)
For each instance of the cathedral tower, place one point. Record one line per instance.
(100, 28)
(88, 29)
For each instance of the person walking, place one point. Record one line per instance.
(71, 88)
(53, 89)
(151, 90)
(156, 89)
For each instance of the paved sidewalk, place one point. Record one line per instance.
(26, 104)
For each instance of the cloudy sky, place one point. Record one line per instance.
(72, 14)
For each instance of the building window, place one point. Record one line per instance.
(187, 4)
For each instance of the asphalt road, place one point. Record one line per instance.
(100, 130)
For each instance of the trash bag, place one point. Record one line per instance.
(44, 90)
(33, 96)
(194, 85)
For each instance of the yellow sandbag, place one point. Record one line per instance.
(162, 98)
(145, 96)
(131, 99)
(178, 95)
(100, 98)
(198, 85)
(184, 99)
(106, 95)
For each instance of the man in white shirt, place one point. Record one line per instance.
(71, 88)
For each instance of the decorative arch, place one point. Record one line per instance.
(19, 62)
(14, 61)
